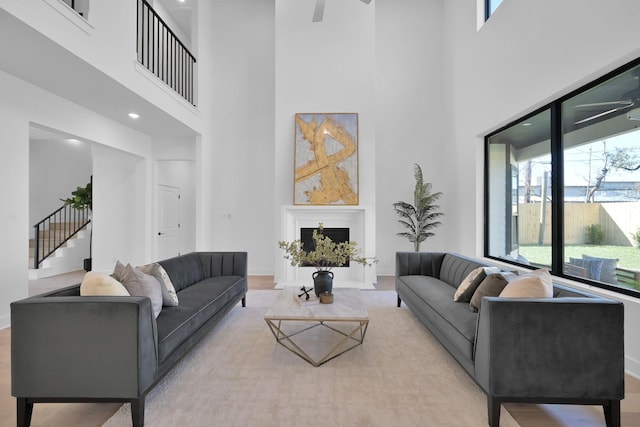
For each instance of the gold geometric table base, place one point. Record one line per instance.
(354, 338)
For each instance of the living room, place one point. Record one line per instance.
(428, 79)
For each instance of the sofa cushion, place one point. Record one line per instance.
(99, 284)
(471, 282)
(536, 284)
(198, 304)
(434, 299)
(184, 270)
(141, 284)
(455, 268)
(491, 286)
(169, 295)
(608, 270)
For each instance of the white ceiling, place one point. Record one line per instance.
(88, 87)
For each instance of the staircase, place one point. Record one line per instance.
(68, 257)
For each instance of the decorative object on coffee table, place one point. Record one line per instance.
(324, 255)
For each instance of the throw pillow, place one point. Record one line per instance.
(140, 284)
(99, 284)
(491, 286)
(536, 284)
(118, 271)
(470, 283)
(593, 266)
(169, 295)
(608, 271)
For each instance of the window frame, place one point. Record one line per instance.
(557, 183)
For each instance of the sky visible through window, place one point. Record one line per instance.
(493, 5)
(584, 162)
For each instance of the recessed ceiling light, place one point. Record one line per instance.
(526, 124)
(134, 115)
(72, 141)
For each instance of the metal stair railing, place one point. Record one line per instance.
(54, 231)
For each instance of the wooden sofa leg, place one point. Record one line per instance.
(493, 406)
(244, 301)
(137, 412)
(25, 410)
(399, 301)
(612, 413)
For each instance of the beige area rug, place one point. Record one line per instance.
(239, 376)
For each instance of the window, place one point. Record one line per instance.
(563, 186)
(490, 7)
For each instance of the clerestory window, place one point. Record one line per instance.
(563, 185)
(490, 7)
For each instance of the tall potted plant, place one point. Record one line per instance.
(80, 200)
(326, 255)
(421, 216)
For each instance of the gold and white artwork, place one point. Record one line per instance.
(326, 159)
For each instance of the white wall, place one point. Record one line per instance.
(236, 176)
(409, 99)
(523, 57)
(325, 67)
(121, 179)
(56, 168)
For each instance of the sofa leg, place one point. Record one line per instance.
(612, 413)
(244, 301)
(399, 301)
(493, 406)
(25, 410)
(137, 412)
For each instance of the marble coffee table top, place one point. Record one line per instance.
(347, 306)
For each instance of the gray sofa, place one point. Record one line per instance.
(71, 348)
(565, 349)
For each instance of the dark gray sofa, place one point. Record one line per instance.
(565, 349)
(71, 348)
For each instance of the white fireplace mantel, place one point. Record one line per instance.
(361, 226)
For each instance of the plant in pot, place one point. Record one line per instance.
(325, 255)
(80, 200)
(421, 216)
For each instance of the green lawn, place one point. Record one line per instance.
(629, 257)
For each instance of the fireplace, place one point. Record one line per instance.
(337, 235)
(361, 230)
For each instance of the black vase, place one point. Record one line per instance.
(322, 282)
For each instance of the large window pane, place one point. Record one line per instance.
(519, 203)
(601, 148)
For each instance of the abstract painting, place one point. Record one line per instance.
(326, 159)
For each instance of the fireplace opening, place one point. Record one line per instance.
(338, 235)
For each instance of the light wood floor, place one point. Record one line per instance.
(94, 415)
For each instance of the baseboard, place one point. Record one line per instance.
(632, 366)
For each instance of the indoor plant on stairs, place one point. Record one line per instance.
(81, 199)
(324, 256)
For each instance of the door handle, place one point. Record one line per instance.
(160, 234)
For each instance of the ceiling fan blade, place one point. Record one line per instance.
(604, 113)
(621, 103)
(318, 11)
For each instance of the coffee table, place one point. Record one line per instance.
(347, 308)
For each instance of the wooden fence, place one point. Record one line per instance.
(618, 221)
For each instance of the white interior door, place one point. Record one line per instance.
(168, 221)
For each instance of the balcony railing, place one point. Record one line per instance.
(160, 50)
